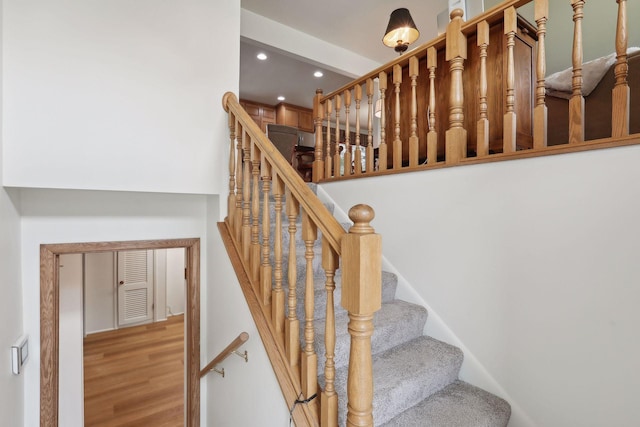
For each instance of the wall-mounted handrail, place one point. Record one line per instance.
(230, 349)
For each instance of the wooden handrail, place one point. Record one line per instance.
(327, 224)
(233, 346)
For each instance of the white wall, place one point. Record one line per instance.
(11, 325)
(118, 95)
(59, 216)
(71, 385)
(228, 397)
(99, 298)
(532, 264)
(175, 281)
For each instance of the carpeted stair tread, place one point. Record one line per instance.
(395, 323)
(405, 375)
(461, 405)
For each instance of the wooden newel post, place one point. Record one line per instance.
(318, 116)
(361, 297)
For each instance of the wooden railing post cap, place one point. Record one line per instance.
(361, 215)
(456, 13)
(225, 100)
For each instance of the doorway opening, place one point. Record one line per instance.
(50, 318)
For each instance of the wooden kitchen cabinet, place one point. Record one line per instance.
(260, 113)
(292, 115)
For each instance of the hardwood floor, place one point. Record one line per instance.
(135, 376)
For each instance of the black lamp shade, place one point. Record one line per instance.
(401, 30)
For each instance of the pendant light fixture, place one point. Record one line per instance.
(401, 31)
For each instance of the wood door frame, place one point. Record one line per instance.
(50, 318)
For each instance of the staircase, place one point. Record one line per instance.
(415, 376)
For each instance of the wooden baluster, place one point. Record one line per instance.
(540, 110)
(255, 213)
(265, 267)
(328, 163)
(369, 150)
(357, 161)
(414, 143)
(231, 199)
(482, 148)
(277, 297)
(336, 155)
(309, 364)
(576, 102)
(328, 397)
(510, 118)
(347, 134)
(292, 324)
(382, 150)
(432, 135)
(318, 161)
(361, 297)
(621, 94)
(456, 135)
(246, 196)
(397, 143)
(237, 222)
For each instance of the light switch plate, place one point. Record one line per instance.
(19, 354)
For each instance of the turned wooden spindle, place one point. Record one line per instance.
(397, 143)
(292, 324)
(456, 53)
(576, 102)
(329, 397)
(328, 160)
(357, 160)
(265, 266)
(369, 150)
(237, 222)
(432, 135)
(361, 296)
(336, 154)
(621, 94)
(540, 109)
(231, 198)
(510, 118)
(414, 143)
(318, 116)
(347, 134)
(482, 148)
(255, 212)
(277, 296)
(309, 361)
(382, 150)
(246, 199)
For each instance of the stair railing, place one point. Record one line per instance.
(228, 351)
(258, 173)
(436, 108)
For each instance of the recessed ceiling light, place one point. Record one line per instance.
(281, 98)
(261, 56)
(318, 74)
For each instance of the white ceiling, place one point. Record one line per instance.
(282, 74)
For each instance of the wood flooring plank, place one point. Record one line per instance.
(135, 376)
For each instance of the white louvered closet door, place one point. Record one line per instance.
(135, 287)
